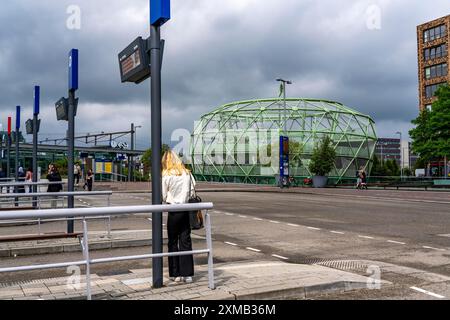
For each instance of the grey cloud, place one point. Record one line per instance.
(216, 52)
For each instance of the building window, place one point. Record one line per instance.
(435, 52)
(431, 90)
(434, 33)
(439, 70)
(428, 107)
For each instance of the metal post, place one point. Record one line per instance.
(285, 111)
(130, 157)
(35, 140)
(210, 253)
(70, 148)
(85, 245)
(16, 143)
(157, 237)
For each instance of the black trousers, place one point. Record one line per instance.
(179, 234)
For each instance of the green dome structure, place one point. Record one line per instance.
(239, 142)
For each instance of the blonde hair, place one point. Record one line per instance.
(172, 165)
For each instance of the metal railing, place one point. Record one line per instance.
(54, 196)
(113, 211)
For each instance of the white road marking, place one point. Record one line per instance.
(337, 232)
(312, 228)
(253, 249)
(280, 257)
(432, 248)
(242, 216)
(396, 242)
(229, 214)
(257, 219)
(149, 219)
(293, 225)
(428, 293)
(366, 237)
(231, 243)
(271, 221)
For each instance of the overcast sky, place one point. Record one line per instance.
(361, 53)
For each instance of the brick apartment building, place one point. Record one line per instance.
(433, 40)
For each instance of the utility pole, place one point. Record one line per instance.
(283, 84)
(16, 142)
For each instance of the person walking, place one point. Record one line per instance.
(54, 176)
(21, 179)
(77, 173)
(29, 179)
(178, 185)
(89, 180)
(363, 178)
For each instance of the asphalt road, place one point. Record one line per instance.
(405, 234)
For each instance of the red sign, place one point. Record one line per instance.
(9, 125)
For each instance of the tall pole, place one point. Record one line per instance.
(35, 140)
(16, 142)
(73, 86)
(285, 111)
(156, 132)
(8, 151)
(131, 158)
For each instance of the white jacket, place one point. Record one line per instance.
(175, 189)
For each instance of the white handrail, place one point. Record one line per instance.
(125, 210)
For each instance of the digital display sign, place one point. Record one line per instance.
(134, 62)
(131, 62)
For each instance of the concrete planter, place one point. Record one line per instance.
(319, 181)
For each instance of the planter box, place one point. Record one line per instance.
(320, 181)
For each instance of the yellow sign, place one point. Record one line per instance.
(108, 167)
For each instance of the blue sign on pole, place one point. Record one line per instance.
(37, 94)
(17, 117)
(284, 156)
(73, 69)
(159, 12)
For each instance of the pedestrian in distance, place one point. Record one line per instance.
(77, 173)
(89, 180)
(21, 179)
(54, 176)
(28, 180)
(358, 179)
(363, 178)
(178, 185)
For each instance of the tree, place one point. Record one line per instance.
(147, 157)
(323, 158)
(439, 123)
(431, 136)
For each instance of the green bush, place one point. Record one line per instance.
(323, 158)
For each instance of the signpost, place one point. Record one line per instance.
(284, 161)
(66, 110)
(136, 65)
(16, 143)
(8, 150)
(36, 124)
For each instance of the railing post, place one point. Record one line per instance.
(85, 245)
(210, 253)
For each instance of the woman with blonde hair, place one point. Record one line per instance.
(177, 187)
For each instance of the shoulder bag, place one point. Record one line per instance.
(195, 217)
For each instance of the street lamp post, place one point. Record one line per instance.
(283, 83)
(401, 155)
